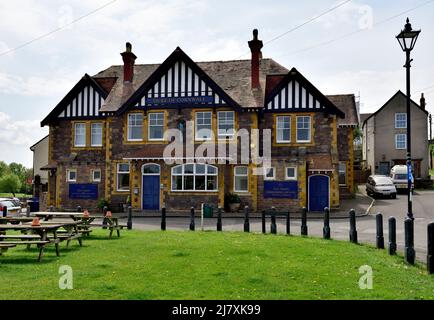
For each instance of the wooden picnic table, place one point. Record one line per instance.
(51, 215)
(46, 233)
(15, 220)
(111, 223)
(38, 236)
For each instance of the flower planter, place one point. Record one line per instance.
(234, 207)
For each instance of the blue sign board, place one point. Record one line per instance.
(83, 191)
(180, 100)
(281, 189)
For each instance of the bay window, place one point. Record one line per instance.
(194, 177)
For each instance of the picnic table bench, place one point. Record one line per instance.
(5, 247)
(111, 223)
(46, 233)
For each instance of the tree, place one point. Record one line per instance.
(10, 183)
(4, 168)
(19, 170)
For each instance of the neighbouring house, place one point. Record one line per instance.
(385, 136)
(40, 160)
(109, 137)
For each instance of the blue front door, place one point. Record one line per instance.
(151, 192)
(318, 193)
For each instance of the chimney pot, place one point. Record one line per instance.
(129, 58)
(422, 102)
(255, 46)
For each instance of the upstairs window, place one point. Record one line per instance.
(96, 175)
(303, 129)
(226, 124)
(96, 135)
(156, 126)
(400, 120)
(80, 135)
(135, 127)
(401, 141)
(283, 129)
(203, 125)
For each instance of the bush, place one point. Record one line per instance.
(102, 203)
(10, 183)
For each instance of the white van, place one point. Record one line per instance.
(399, 177)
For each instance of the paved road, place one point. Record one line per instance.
(423, 211)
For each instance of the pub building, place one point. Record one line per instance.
(107, 137)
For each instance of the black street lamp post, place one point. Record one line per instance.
(407, 39)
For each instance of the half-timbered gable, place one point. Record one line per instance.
(179, 81)
(82, 102)
(295, 93)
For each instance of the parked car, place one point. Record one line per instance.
(398, 174)
(380, 185)
(13, 205)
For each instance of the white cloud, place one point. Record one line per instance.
(17, 132)
(33, 86)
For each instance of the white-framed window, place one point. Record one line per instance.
(96, 134)
(156, 126)
(269, 173)
(225, 124)
(241, 179)
(96, 175)
(80, 135)
(203, 123)
(291, 173)
(123, 177)
(283, 129)
(135, 127)
(71, 175)
(401, 141)
(342, 173)
(303, 129)
(400, 120)
(194, 177)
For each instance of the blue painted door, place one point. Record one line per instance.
(318, 193)
(151, 192)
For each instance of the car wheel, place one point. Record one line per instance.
(393, 196)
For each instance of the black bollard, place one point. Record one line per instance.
(304, 222)
(104, 221)
(163, 218)
(380, 236)
(79, 209)
(326, 228)
(130, 218)
(392, 236)
(409, 241)
(219, 219)
(51, 209)
(288, 221)
(353, 227)
(28, 211)
(5, 211)
(192, 219)
(263, 221)
(246, 219)
(430, 251)
(273, 228)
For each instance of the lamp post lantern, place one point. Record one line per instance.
(407, 39)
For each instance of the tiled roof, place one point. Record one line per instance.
(347, 104)
(232, 76)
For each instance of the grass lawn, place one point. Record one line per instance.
(17, 195)
(210, 265)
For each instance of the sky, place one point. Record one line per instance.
(351, 49)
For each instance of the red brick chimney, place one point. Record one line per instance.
(128, 57)
(255, 46)
(422, 102)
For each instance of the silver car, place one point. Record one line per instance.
(380, 185)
